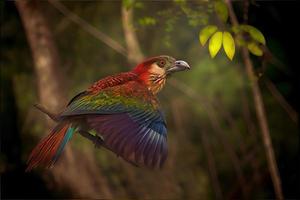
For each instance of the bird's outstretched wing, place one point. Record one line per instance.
(128, 118)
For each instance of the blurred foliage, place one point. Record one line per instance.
(129, 4)
(254, 49)
(147, 21)
(254, 33)
(221, 10)
(219, 81)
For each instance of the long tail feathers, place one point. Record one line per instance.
(47, 152)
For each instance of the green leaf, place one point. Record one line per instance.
(215, 43)
(221, 10)
(255, 49)
(236, 29)
(228, 44)
(206, 32)
(240, 41)
(254, 33)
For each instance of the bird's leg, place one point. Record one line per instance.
(98, 142)
(54, 117)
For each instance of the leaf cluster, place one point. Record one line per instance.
(242, 35)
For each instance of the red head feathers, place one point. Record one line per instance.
(154, 71)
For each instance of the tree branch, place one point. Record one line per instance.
(89, 28)
(285, 105)
(260, 112)
(135, 54)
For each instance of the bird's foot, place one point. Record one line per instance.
(98, 141)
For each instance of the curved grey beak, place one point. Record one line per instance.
(179, 65)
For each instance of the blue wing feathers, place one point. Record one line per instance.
(153, 149)
(141, 145)
(164, 151)
(66, 138)
(156, 153)
(149, 148)
(144, 139)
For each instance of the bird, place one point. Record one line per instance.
(124, 112)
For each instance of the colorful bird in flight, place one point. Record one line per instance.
(124, 112)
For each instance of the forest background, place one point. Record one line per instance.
(216, 141)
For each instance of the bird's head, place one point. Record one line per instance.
(154, 71)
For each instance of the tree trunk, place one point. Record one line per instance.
(79, 177)
(45, 56)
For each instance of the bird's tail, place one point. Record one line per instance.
(47, 152)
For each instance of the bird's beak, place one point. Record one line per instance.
(179, 65)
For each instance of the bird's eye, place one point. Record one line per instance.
(161, 63)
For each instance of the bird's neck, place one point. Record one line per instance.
(154, 82)
(153, 76)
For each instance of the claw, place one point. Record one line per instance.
(98, 141)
